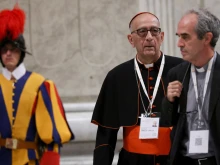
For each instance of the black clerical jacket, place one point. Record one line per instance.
(119, 104)
(177, 119)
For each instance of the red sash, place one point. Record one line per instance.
(160, 146)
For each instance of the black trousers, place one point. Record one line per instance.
(128, 158)
(189, 161)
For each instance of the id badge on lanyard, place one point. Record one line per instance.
(199, 139)
(198, 142)
(149, 127)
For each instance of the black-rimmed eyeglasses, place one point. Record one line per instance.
(142, 32)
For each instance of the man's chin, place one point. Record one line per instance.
(185, 57)
(10, 65)
(149, 53)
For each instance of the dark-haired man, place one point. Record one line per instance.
(131, 98)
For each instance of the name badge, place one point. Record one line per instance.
(149, 128)
(199, 141)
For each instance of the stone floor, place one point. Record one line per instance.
(77, 153)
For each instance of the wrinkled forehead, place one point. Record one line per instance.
(145, 16)
(187, 23)
(189, 19)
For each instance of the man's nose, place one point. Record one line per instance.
(180, 43)
(8, 51)
(149, 35)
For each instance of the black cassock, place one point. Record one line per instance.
(119, 105)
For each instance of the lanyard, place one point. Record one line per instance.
(207, 76)
(156, 85)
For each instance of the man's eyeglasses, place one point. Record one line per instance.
(12, 49)
(144, 31)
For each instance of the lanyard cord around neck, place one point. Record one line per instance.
(207, 77)
(138, 72)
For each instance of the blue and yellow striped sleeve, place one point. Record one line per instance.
(51, 122)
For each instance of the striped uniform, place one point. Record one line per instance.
(31, 109)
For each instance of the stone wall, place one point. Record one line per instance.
(76, 42)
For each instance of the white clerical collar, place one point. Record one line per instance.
(17, 73)
(200, 70)
(146, 65)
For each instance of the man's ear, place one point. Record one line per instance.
(208, 38)
(130, 39)
(162, 36)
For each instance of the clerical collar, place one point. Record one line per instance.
(17, 73)
(156, 63)
(202, 69)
